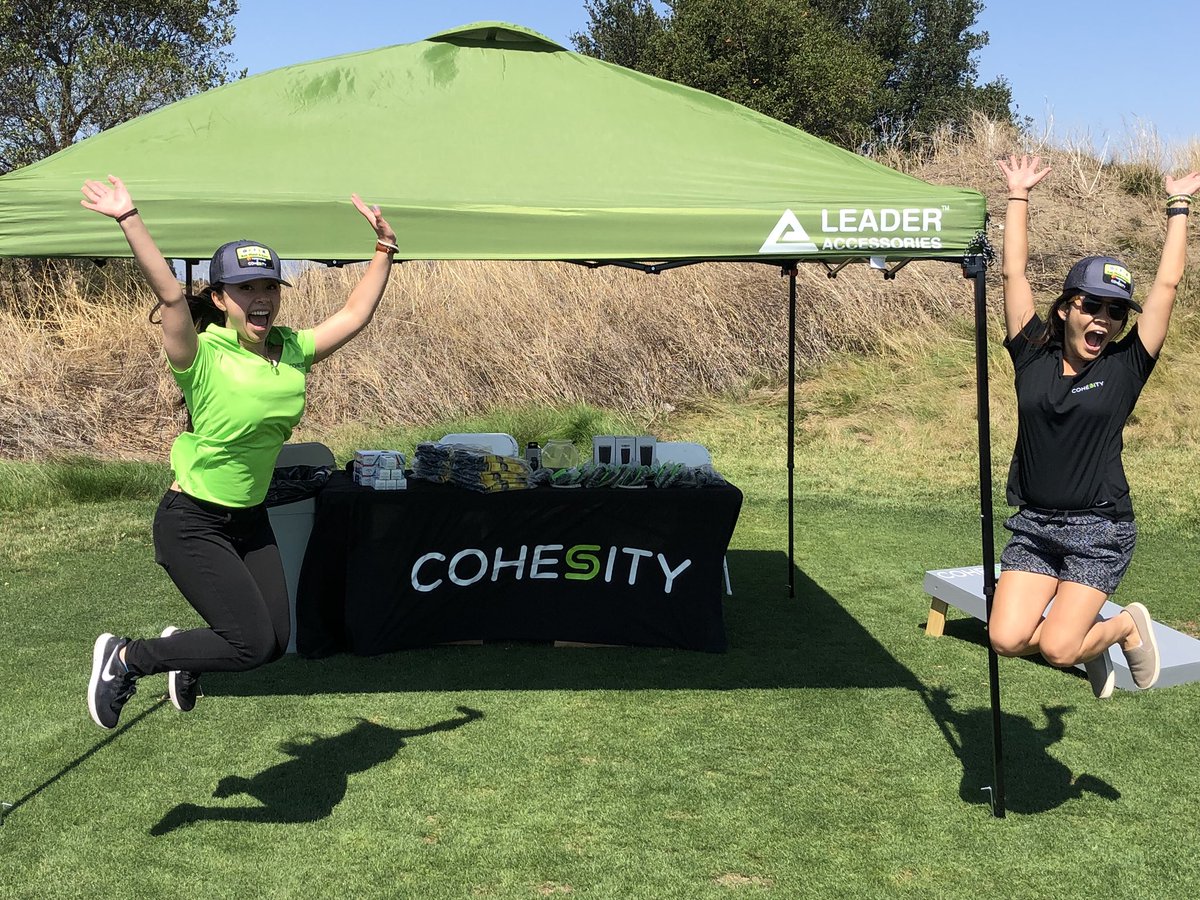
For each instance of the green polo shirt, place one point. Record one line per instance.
(243, 410)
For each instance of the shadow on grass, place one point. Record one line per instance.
(811, 642)
(8, 808)
(774, 642)
(1043, 783)
(307, 787)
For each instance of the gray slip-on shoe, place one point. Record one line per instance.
(1101, 675)
(1144, 662)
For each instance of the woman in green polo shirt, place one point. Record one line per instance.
(243, 383)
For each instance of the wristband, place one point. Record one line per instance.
(382, 246)
(1176, 198)
(1022, 199)
(125, 215)
(1178, 211)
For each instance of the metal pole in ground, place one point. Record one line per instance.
(975, 268)
(790, 271)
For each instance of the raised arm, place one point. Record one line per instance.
(1156, 310)
(1021, 176)
(179, 333)
(336, 331)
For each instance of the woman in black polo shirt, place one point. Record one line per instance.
(1073, 535)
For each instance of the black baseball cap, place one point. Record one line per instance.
(1101, 276)
(243, 260)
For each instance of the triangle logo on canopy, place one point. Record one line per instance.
(788, 236)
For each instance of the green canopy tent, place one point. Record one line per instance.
(492, 142)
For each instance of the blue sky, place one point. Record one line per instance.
(1089, 76)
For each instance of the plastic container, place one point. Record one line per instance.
(560, 454)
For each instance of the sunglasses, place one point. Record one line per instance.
(1118, 312)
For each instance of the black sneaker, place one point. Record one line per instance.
(111, 684)
(184, 687)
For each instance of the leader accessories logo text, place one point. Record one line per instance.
(582, 562)
(870, 228)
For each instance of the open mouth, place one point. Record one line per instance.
(1094, 338)
(259, 318)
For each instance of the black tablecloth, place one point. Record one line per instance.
(387, 570)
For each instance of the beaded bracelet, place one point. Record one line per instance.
(1176, 198)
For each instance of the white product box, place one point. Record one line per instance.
(624, 450)
(644, 450)
(602, 449)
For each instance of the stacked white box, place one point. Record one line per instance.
(379, 469)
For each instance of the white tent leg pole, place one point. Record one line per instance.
(975, 268)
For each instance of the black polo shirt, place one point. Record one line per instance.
(1069, 427)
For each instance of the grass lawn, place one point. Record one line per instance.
(834, 751)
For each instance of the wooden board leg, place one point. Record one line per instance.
(936, 624)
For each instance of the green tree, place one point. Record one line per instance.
(929, 50)
(779, 57)
(620, 31)
(71, 68)
(851, 71)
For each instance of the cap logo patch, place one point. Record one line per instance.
(1118, 275)
(253, 256)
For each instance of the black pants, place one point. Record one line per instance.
(225, 562)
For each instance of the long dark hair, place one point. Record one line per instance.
(204, 311)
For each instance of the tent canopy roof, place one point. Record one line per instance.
(483, 142)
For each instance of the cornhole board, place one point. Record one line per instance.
(963, 589)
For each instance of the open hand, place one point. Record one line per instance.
(1022, 174)
(383, 231)
(109, 201)
(1184, 184)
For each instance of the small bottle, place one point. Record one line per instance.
(533, 455)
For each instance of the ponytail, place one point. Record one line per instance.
(204, 313)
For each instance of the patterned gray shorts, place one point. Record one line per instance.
(1086, 549)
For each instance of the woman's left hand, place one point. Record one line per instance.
(1184, 184)
(383, 230)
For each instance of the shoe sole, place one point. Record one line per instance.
(172, 684)
(97, 666)
(1103, 689)
(1141, 616)
(172, 687)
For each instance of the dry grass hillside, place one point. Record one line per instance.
(82, 371)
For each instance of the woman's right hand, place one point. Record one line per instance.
(1022, 174)
(108, 201)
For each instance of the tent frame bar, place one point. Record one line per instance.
(974, 268)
